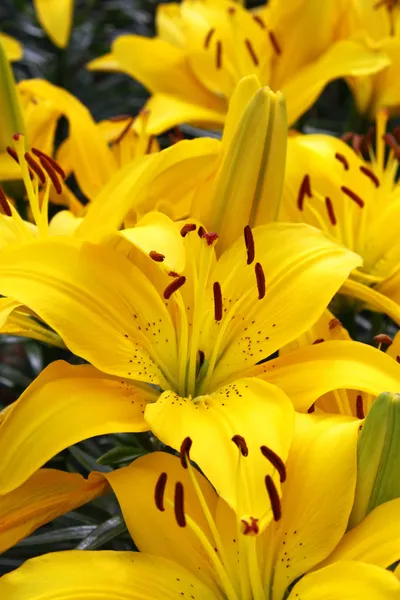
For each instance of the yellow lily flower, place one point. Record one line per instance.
(203, 48)
(56, 19)
(331, 186)
(194, 546)
(11, 46)
(379, 23)
(190, 324)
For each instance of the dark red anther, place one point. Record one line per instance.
(382, 338)
(13, 154)
(241, 444)
(273, 498)
(187, 228)
(305, 190)
(217, 301)
(35, 167)
(360, 407)
(311, 409)
(250, 528)
(174, 286)
(218, 55)
(51, 160)
(47, 166)
(398, 358)
(249, 241)
(275, 461)
(210, 238)
(341, 158)
(124, 131)
(334, 323)
(358, 143)
(159, 491)
(274, 42)
(4, 205)
(201, 231)
(346, 137)
(118, 118)
(259, 20)
(173, 274)
(371, 175)
(184, 451)
(156, 256)
(318, 341)
(208, 37)
(179, 505)
(149, 144)
(390, 140)
(251, 51)
(353, 196)
(260, 280)
(330, 211)
(396, 133)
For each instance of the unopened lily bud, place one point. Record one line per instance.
(11, 120)
(378, 477)
(249, 182)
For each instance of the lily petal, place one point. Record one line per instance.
(314, 517)
(104, 575)
(46, 495)
(12, 47)
(63, 281)
(347, 581)
(346, 57)
(56, 19)
(373, 298)
(135, 486)
(259, 412)
(309, 372)
(375, 540)
(64, 405)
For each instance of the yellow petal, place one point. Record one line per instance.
(64, 405)
(303, 270)
(311, 371)
(373, 298)
(157, 532)
(90, 295)
(169, 24)
(107, 62)
(12, 47)
(317, 496)
(347, 581)
(46, 495)
(374, 540)
(343, 58)
(248, 407)
(105, 575)
(56, 19)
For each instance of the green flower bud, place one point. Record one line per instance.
(11, 120)
(378, 477)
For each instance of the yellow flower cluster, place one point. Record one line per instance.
(202, 286)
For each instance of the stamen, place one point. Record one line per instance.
(187, 228)
(249, 241)
(371, 175)
(357, 143)
(260, 280)
(13, 154)
(275, 461)
(149, 144)
(4, 205)
(353, 196)
(382, 338)
(250, 528)
(341, 158)
(184, 452)
(334, 323)
(259, 20)
(35, 167)
(346, 137)
(274, 42)
(200, 362)
(360, 407)
(156, 256)
(51, 160)
(251, 51)
(241, 444)
(273, 498)
(159, 491)
(390, 140)
(305, 190)
(201, 231)
(173, 274)
(124, 131)
(396, 133)
(208, 38)
(51, 173)
(179, 505)
(218, 56)
(331, 212)
(318, 341)
(210, 238)
(217, 301)
(311, 409)
(174, 286)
